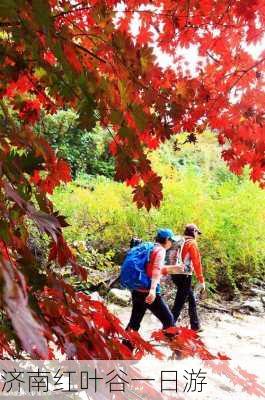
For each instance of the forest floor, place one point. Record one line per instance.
(237, 335)
(240, 336)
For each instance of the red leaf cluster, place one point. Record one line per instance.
(88, 57)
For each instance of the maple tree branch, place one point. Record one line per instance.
(72, 10)
(85, 50)
(220, 20)
(128, 11)
(9, 24)
(121, 148)
(226, 11)
(245, 72)
(213, 58)
(166, 12)
(91, 35)
(89, 52)
(84, 33)
(212, 24)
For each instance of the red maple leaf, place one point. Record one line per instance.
(72, 57)
(144, 35)
(30, 111)
(22, 85)
(149, 193)
(49, 57)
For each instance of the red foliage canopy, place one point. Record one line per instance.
(98, 58)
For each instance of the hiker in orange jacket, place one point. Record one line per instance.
(183, 279)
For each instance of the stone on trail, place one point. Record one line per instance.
(254, 305)
(121, 297)
(257, 291)
(96, 296)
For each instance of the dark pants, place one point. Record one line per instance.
(185, 292)
(159, 308)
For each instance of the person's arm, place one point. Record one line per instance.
(196, 262)
(172, 269)
(171, 266)
(157, 264)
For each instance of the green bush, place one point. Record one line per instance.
(228, 209)
(86, 152)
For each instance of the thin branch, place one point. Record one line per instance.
(245, 72)
(213, 58)
(9, 24)
(226, 11)
(165, 13)
(73, 9)
(86, 50)
(90, 53)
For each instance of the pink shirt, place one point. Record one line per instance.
(157, 261)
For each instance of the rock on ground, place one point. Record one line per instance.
(254, 305)
(119, 297)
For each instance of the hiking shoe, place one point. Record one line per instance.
(128, 344)
(199, 329)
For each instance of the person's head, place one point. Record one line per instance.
(165, 237)
(192, 230)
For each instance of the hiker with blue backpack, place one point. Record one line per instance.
(141, 272)
(185, 255)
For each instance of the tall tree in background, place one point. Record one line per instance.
(83, 55)
(86, 152)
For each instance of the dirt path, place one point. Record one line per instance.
(241, 337)
(237, 336)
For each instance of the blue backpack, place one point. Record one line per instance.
(133, 270)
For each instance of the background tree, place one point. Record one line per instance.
(84, 56)
(86, 152)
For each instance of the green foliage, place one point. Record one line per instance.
(87, 152)
(197, 188)
(91, 258)
(100, 267)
